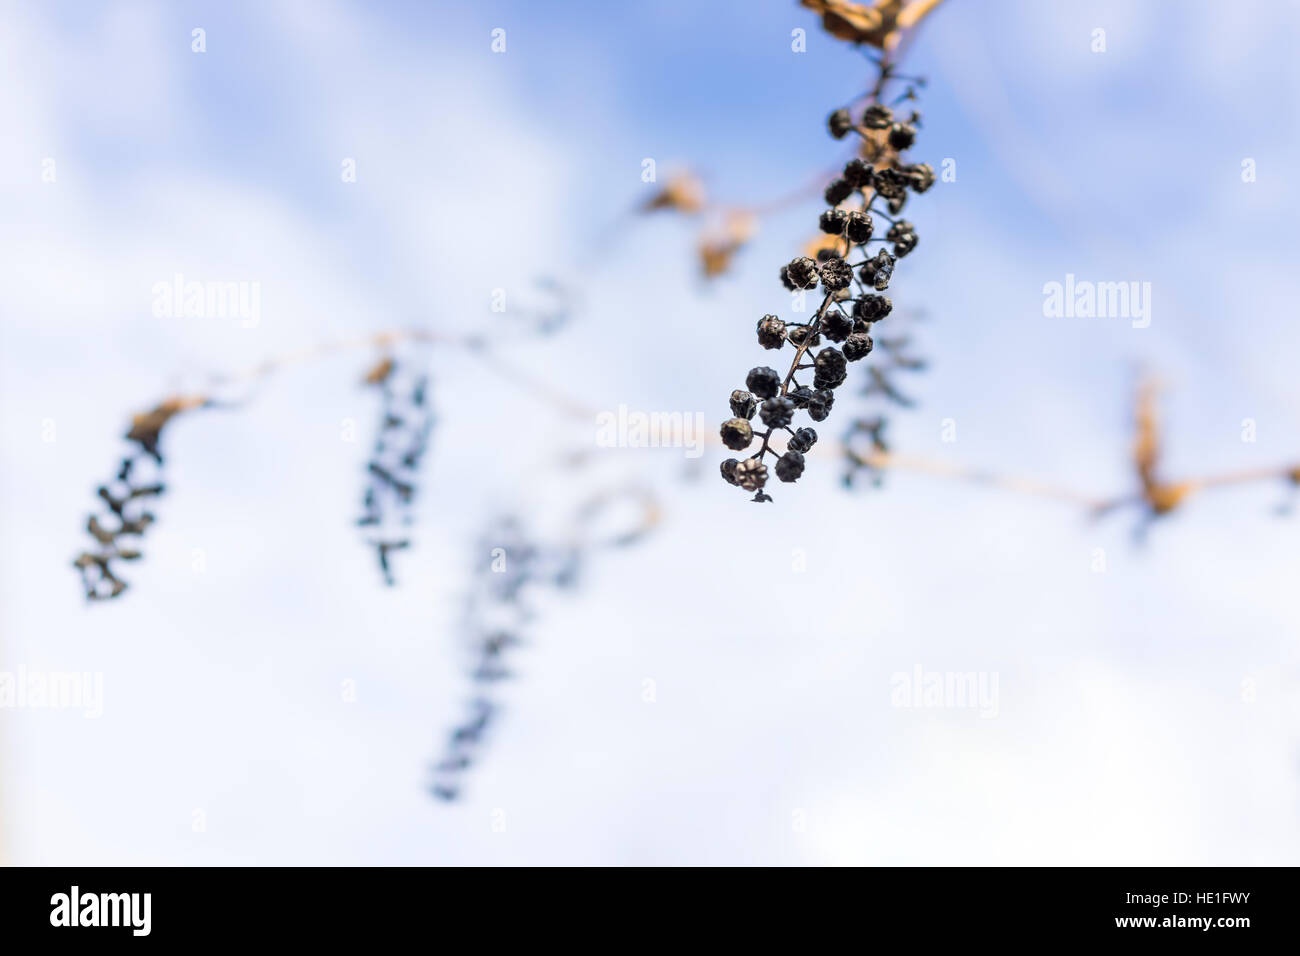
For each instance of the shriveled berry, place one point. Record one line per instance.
(802, 272)
(777, 412)
(771, 332)
(902, 135)
(728, 469)
(751, 474)
(801, 396)
(920, 176)
(800, 334)
(763, 381)
(857, 346)
(836, 274)
(829, 369)
(877, 116)
(877, 270)
(872, 308)
(839, 123)
(905, 244)
(785, 279)
(890, 183)
(836, 326)
(789, 466)
(736, 433)
(802, 440)
(837, 192)
(858, 173)
(832, 222)
(819, 406)
(743, 404)
(858, 226)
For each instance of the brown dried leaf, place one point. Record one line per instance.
(380, 372)
(683, 192)
(880, 24)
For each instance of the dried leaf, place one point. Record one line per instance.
(380, 372)
(880, 24)
(683, 192)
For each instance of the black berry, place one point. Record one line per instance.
(829, 369)
(832, 221)
(840, 123)
(802, 440)
(858, 173)
(763, 381)
(836, 274)
(858, 227)
(736, 433)
(877, 116)
(872, 308)
(857, 346)
(789, 466)
(743, 404)
(902, 135)
(771, 332)
(777, 412)
(837, 192)
(802, 272)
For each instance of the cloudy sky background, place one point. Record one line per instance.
(1146, 714)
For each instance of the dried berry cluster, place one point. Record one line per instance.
(852, 296)
(123, 514)
(497, 613)
(405, 423)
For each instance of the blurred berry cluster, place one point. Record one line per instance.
(405, 423)
(874, 186)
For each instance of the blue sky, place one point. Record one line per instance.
(1125, 731)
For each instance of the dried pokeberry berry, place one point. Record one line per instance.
(785, 279)
(728, 470)
(858, 227)
(763, 381)
(801, 396)
(832, 222)
(839, 123)
(920, 176)
(801, 334)
(872, 308)
(829, 369)
(836, 274)
(877, 116)
(736, 433)
(857, 346)
(902, 135)
(819, 405)
(837, 192)
(836, 326)
(771, 332)
(802, 272)
(743, 404)
(751, 474)
(789, 466)
(777, 412)
(858, 173)
(802, 440)
(903, 235)
(877, 270)
(890, 184)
